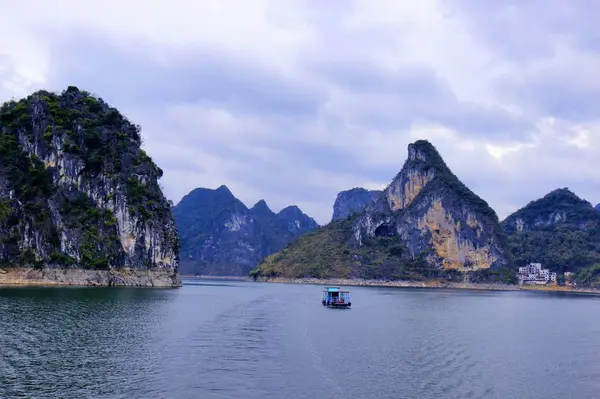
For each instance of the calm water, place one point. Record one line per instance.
(251, 340)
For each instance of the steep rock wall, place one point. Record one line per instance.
(77, 191)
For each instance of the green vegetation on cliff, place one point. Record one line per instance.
(444, 176)
(69, 163)
(560, 230)
(406, 243)
(325, 253)
(588, 276)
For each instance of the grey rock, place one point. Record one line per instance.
(355, 200)
(77, 191)
(435, 216)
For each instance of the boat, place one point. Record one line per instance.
(334, 297)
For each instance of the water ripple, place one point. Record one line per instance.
(275, 341)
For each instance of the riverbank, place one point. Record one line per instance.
(428, 284)
(85, 277)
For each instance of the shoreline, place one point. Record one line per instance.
(238, 278)
(24, 277)
(428, 284)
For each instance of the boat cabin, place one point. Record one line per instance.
(336, 297)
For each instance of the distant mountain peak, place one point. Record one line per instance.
(291, 209)
(294, 215)
(597, 207)
(352, 201)
(202, 195)
(224, 189)
(262, 207)
(562, 196)
(559, 206)
(559, 230)
(261, 204)
(221, 236)
(563, 192)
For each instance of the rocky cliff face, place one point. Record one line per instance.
(353, 201)
(426, 223)
(597, 207)
(221, 236)
(560, 230)
(78, 193)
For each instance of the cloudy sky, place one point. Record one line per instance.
(295, 100)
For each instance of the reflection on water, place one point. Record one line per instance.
(233, 339)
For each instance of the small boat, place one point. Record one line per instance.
(334, 297)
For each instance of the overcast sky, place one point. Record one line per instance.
(293, 101)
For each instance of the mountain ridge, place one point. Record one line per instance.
(220, 235)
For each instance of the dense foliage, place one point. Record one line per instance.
(54, 150)
(445, 177)
(560, 230)
(560, 248)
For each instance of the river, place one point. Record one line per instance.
(231, 339)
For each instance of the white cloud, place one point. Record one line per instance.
(294, 102)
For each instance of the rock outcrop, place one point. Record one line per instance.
(560, 230)
(426, 223)
(78, 193)
(350, 202)
(221, 236)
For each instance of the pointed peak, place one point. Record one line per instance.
(261, 206)
(424, 151)
(224, 189)
(261, 203)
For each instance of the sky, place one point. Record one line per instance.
(293, 101)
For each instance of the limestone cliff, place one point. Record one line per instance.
(597, 207)
(559, 230)
(78, 193)
(352, 201)
(426, 223)
(221, 236)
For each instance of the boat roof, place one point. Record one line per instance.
(334, 289)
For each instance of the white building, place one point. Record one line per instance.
(533, 273)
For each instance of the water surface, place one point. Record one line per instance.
(251, 340)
